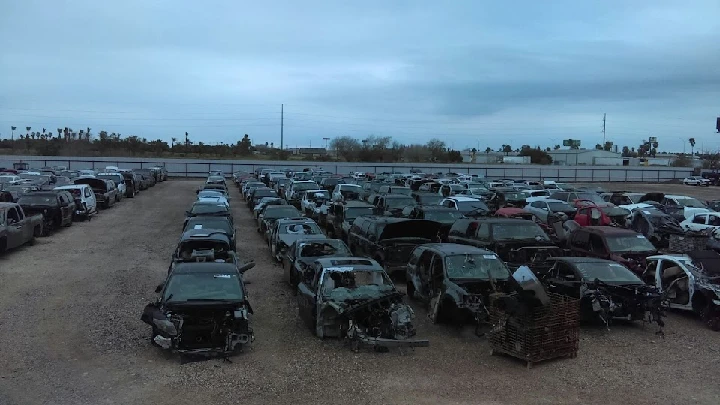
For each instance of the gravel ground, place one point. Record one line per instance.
(70, 333)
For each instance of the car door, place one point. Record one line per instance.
(698, 223)
(307, 296)
(288, 260)
(15, 227)
(65, 210)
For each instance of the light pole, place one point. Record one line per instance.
(326, 142)
(683, 141)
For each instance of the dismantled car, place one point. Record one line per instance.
(56, 207)
(286, 231)
(17, 228)
(680, 207)
(606, 242)
(390, 241)
(203, 310)
(607, 290)
(208, 208)
(655, 225)
(300, 256)
(689, 282)
(392, 204)
(341, 215)
(272, 213)
(104, 190)
(353, 298)
(203, 245)
(517, 241)
(457, 281)
(215, 223)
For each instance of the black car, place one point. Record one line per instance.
(215, 223)
(427, 198)
(207, 208)
(133, 182)
(148, 176)
(272, 213)
(301, 254)
(392, 204)
(285, 231)
(257, 194)
(517, 241)
(607, 290)
(202, 310)
(389, 240)
(443, 215)
(341, 215)
(456, 281)
(56, 207)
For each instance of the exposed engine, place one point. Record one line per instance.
(624, 302)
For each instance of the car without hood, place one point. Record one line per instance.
(300, 256)
(353, 298)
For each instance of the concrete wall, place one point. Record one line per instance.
(200, 168)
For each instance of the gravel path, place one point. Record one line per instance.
(70, 333)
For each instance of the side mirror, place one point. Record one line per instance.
(246, 267)
(159, 288)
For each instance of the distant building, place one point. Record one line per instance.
(309, 152)
(585, 157)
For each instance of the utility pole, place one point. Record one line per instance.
(604, 129)
(282, 107)
(326, 142)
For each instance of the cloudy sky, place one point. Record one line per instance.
(475, 73)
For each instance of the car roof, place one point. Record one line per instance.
(503, 220)
(354, 203)
(549, 200)
(391, 195)
(456, 249)
(295, 220)
(204, 267)
(679, 197)
(204, 234)
(463, 199)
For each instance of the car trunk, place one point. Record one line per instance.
(399, 239)
(99, 187)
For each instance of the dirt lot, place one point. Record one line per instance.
(70, 333)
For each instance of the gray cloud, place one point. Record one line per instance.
(471, 71)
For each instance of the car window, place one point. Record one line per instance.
(699, 219)
(483, 231)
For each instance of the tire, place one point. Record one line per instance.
(712, 320)
(410, 288)
(3, 245)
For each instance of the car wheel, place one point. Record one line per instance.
(410, 287)
(712, 320)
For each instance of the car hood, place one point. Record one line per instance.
(93, 183)
(412, 228)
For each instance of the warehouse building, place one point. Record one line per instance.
(582, 157)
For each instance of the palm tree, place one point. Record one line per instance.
(27, 130)
(692, 146)
(172, 142)
(59, 132)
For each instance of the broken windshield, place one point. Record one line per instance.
(203, 286)
(324, 248)
(476, 266)
(355, 284)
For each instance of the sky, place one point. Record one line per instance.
(471, 73)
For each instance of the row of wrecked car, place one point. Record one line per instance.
(36, 205)
(203, 308)
(563, 251)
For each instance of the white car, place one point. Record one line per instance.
(308, 204)
(118, 179)
(464, 204)
(701, 222)
(542, 208)
(696, 181)
(213, 196)
(684, 205)
(340, 189)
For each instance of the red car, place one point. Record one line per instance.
(514, 213)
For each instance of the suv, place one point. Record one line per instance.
(516, 241)
(390, 241)
(392, 204)
(606, 242)
(340, 217)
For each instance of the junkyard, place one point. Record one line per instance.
(70, 330)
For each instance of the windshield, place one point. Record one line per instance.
(442, 215)
(399, 202)
(591, 196)
(352, 213)
(476, 266)
(300, 229)
(264, 193)
(209, 223)
(629, 243)
(515, 196)
(210, 194)
(325, 248)
(202, 286)
(519, 230)
(208, 208)
(431, 199)
(690, 203)
(315, 194)
(560, 207)
(355, 284)
(284, 212)
(305, 186)
(608, 272)
(467, 206)
(38, 200)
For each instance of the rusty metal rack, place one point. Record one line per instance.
(545, 333)
(688, 242)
